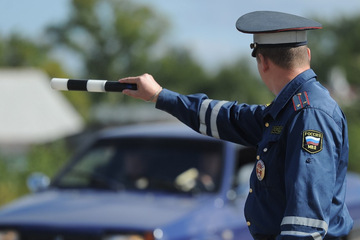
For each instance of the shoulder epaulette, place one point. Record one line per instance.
(300, 100)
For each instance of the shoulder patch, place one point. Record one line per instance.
(300, 100)
(312, 141)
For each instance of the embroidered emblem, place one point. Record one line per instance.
(312, 141)
(276, 130)
(260, 170)
(300, 100)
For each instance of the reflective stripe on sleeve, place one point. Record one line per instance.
(214, 115)
(315, 235)
(302, 221)
(309, 222)
(202, 115)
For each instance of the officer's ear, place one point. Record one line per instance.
(263, 62)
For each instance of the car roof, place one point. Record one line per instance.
(165, 130)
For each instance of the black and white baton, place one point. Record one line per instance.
(90, 85)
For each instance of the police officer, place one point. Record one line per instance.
(297, 187)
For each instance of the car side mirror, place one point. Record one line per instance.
(37, 182)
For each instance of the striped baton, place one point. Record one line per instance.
(90, 85)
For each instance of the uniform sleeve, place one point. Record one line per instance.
(312, 153)
(239, 123)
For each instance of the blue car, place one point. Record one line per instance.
(145, 182)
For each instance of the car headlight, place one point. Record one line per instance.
(9, 235)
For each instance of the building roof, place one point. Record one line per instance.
(31, 112)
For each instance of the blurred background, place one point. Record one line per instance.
(188, 46)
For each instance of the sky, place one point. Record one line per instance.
(205, 27)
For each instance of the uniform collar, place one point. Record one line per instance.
(288, 92)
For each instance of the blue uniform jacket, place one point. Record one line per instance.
(297, 188)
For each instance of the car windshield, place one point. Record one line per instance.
(147, 164)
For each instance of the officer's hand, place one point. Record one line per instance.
(147, 88)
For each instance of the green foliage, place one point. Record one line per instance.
(18, 51)
(336, 45)
(178, 71)
(112, 38)
(15, 169)
(353, 115)
(237, 82)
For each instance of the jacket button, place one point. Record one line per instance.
(250, 190)
(265, 150)
(258, 157)
(267, 124)
(248, 223)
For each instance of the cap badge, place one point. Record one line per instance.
(253, 45)
(260, 170)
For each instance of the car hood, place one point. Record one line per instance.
(99, 209)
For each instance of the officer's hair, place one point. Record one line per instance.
(285, 57)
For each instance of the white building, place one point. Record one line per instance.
(31, 112)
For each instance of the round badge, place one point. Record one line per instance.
(260, 170)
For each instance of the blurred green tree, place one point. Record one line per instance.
(18, 51)
(111, 38)
(14, 170)
(119, 38)
(336, 46)
(353, 115)
(239, 82)
(177, 70)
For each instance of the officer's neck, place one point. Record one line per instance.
(279, 77)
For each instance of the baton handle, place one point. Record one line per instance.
(89, 85)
